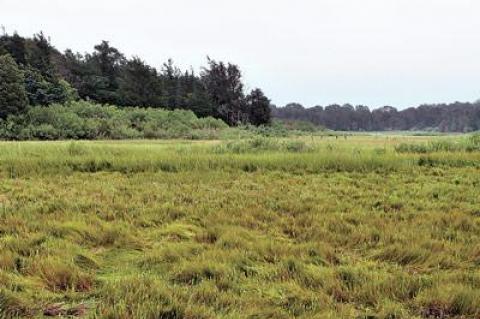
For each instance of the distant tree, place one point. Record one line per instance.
(43, 92)
(139, 84)
(108, 59)
(197, 98)
(39, 57)
(13, 98)
(362, 118)
(15, 46)
(171, 85)
(258, 108)
(223, 82)
(102, 70)
(384, 118)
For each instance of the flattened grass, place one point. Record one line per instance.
(171, 230)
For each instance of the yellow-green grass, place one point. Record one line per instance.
(344, 228)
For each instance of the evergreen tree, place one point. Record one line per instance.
(139, 84)
(15, 46)
(103, 69)
(39, 57)
(106, 76)
(170, 79)
(42, 92)
(258, 108)
(198, 99)
(223, 82)
(13, 98)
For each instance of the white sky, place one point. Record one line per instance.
(373, 52)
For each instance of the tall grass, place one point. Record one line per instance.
(261, 154)
(469, 144)
(170, 229)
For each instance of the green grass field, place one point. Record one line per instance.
(307, 227)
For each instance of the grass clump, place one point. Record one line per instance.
(262, 144)
(194, 273)
(60, 276)
(389, 309)
(469, 144)
(445, 301)
(138, 297)
(404, 255)
(12, 306)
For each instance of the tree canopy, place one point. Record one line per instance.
(13, 97)
(107, 76)
(35, 73)
(454, 117)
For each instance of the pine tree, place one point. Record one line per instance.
(39, 57)
(223, 83)
(13, 98)
(139, 84)
(258, 108)
(15, 46)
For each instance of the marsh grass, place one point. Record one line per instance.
(345, 228)
(260, 154)
(465, 144)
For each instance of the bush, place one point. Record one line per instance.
(45, 132)
(84, 120)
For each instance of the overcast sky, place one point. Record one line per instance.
(316, 52)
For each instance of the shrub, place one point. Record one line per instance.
(84, 120)
(45, 132)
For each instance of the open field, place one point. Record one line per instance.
(307, 227)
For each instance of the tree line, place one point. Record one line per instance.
(34, 73)
(455, 117)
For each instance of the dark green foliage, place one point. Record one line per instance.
(139, 84)
(39, 57)
(224, 86)
(105, 64)
(455, 117)
(15, 46)
(13, 98)
(43, 92)
(258, 108)
(106, 76)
